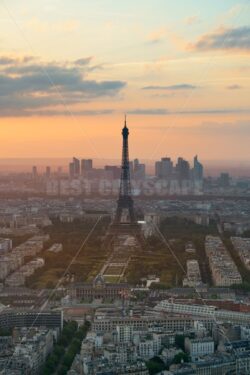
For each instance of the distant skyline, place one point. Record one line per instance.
(211, 167)
(70, 70)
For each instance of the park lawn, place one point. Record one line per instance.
(49, 278)
(111, 279)
(170, 266)
(113, 270)
(84, 267)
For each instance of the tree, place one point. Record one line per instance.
(59, 350)
(70, 338)
(68, 358)
(155, 365)
(63, 341)
(158, 286)
(51, 363)
(180, 341)
(47, 371)
(5, 332)
(75, 344)
(62, 370)
(180, 358)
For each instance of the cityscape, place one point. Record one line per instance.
(82, 178)
(131, 256)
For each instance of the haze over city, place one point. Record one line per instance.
(69, 73)
(124, 187)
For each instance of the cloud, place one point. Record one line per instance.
(209, 128)
(9, 60)
(234, 87)
(95, 67)
(4, 60)
(231, 39)
(156, 36)
(204, 111)
(148, 111)
(192, 20)
(226, 128)
(214, 111)
(83, 61)
(182, 86)
(18, 109)
(235, 11)
(15, 112)
(26, 88)
(49, 79)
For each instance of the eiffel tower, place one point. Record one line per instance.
(124, 221)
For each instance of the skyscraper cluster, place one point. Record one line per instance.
(165, 169)
(138, 170)
(86, 169)
(77, 167)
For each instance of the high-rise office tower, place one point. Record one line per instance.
(164, 168)
(48, 172)
(136, 163)
(131, 169)
(182, 169)
(74, 168)
(139, 170)
(86, 165)
(114, 170)
(198, 169)
(71, 170)
(158, 169)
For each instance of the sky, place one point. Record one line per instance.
(70, 70)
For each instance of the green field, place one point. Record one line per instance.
(113, 270)
(156, 260)
(83, 266)
(170, 263)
